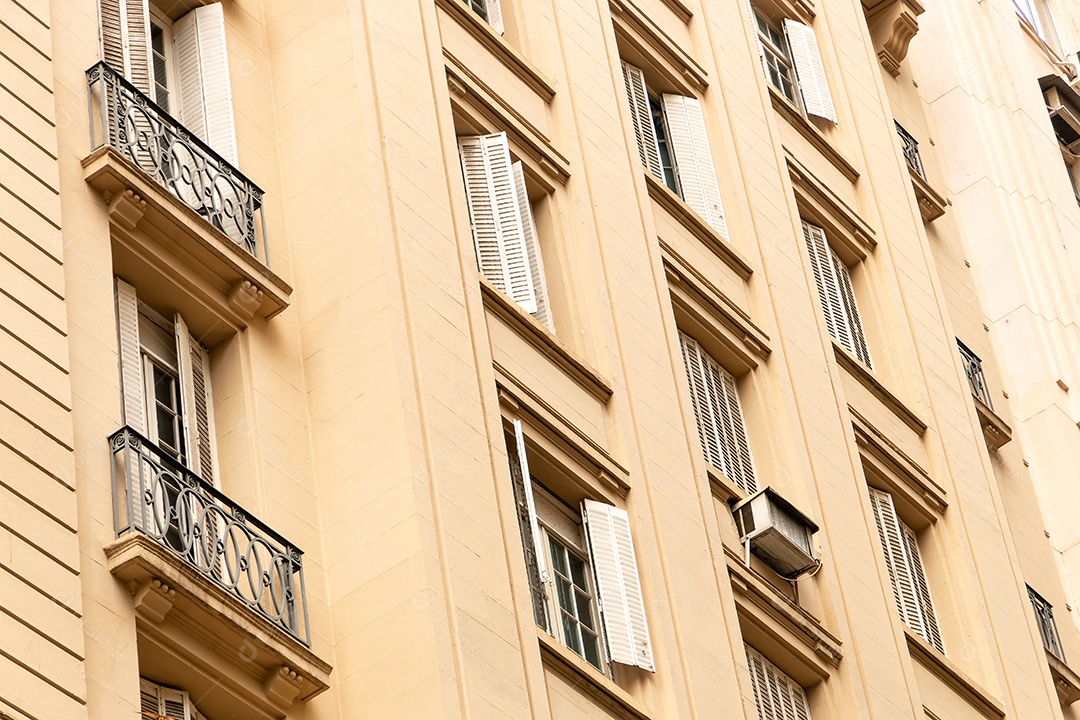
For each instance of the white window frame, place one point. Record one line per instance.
(776, 694)
(172, 76)
(718, 413)
(779, 54)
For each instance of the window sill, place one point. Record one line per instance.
(583, 675)
(931, 203)
(162, 232)
(946, 671)
(861, 373)
(776, 615)
(995, 430)
(814, 136)
(709, 237)
(498, 47)
(723, 488)
(169, 593)
(533, 332)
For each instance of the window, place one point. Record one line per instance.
(182, 65)
(578, 563)
(718, 413)
(507, 248)
(1037, 14)
(836, 294)
(910, 587)
(165, 374)
(674, 147)
(778, 697)
(1044, 618)
(792, 63)
(489, 10)
(158, 701)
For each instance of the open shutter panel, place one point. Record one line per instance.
(532, 248)
(495, 16)
(851, 310)
(828, 289)
(700, 397)
(496, 215)
(611, 550)
(930, 631)
(757, 39)
(740, 462)
(149, 700)
(111, 29)
(203, 67)
(640, 113)
(810, 70)
(125, 39)
(194, 362)
(693, 159)
(896, 558)
(529, 525)
(174, 704)
(131, 372)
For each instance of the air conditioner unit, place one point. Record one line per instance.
(1063, 116)
(774, 530)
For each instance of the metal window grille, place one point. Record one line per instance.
(911, 150)
(1044, 618)
(976, 378)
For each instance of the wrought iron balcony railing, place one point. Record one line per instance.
(164, 149)
(976, 378)
(911, 150)
(155, 495)
(1044, 617)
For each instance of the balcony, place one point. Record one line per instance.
(996, 432)
(1066, 681)
(197, 560)
(174, 203)
(931, 203)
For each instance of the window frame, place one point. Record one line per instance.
(171, 86)
(553, 599)
(780, 53)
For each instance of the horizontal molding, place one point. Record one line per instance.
(871, 383)
(530, 330)
(696, 225)
(947, 672)
(472, 95)
(638, 29)
(795, 118)
(498, 47)
(817, 199)
(588, 679)
(680, 8)
(903, 474)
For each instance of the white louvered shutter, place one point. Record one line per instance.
(736, 445)
(700, 397)
(896, 558)
(757, 39)
(641, 115)
(529, 526)
(495, 16)
(202, 61)
(851, 316)
(532, 248)
(149, 699)
(124, 32)
(810, 70)
(197, 410)
(930, 630)
(530, 501)
(832, 304)
(693, 159)
(111, 32)
(777, 695)
(496, 215)
(174, 704)
(618, 587)
(131, 371)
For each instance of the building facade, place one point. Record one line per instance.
(566, 359)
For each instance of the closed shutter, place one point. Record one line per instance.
(721, 426)
(777, 695)
(832, 303)
(149, 700)
(810, 70)
(891, 533)
(618, 587)
(529, 524)
(205, 91)
(641, 115)
(930, 630)
(194, 364)
(532, 248)
(496, 212)
(693, 159)
(495, 16)
(174, 704)
(851, 311)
